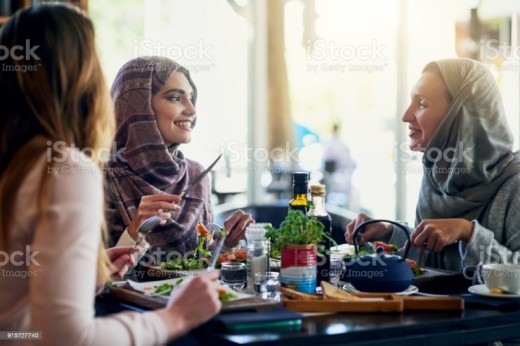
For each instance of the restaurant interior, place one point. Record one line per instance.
(284, 72)
(317, 86)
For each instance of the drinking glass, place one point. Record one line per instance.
(336, 268)
(233, 275)
(267, 285)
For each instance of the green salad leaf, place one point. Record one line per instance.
(193, 263)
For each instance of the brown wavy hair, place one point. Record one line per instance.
(51, 90)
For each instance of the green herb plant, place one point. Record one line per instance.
(296, 229)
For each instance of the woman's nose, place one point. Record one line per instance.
(190, 108)
(407, 115)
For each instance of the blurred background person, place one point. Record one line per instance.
(338, 166)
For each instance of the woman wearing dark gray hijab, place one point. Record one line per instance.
(468, 210)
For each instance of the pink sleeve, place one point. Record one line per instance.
(62, 294)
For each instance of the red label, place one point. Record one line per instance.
(298, 256)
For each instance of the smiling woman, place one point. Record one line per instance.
(174, 109)
(429, 105)
(155, 109)
(468, 206)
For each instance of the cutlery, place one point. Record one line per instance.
(200, 177)
(218, 249)
(424, 294)
(214, 229)
(146, 227)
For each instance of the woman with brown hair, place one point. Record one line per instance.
(56, 122)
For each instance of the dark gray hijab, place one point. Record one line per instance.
(476, 144)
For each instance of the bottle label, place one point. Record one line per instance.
(298, 256)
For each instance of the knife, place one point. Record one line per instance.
(217, 251)
(200, 177)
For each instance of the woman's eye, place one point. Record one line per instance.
(173, 98)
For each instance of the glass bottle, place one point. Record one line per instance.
(257, 258)
(300, 190)
(318, 211)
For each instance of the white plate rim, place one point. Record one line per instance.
(347, 287)
(141, 287)
(482, 290)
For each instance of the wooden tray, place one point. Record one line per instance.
(391, 303)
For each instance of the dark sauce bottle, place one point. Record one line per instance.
(318, 211)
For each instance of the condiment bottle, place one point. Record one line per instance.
(300, 189)
(318, 211)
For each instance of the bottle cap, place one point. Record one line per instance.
(255, 233)
(300, 177)
(318, 189)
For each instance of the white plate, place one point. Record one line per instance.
(482, 290)
(343, 250)
(410, 290)
(148, 287)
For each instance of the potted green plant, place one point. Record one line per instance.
(296, 241)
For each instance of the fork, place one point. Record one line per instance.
(146, 227)
(219, 237)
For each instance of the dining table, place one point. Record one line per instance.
(482, 320)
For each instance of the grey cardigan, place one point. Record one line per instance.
(495, 239)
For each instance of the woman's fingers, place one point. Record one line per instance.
(353, 225)
(158, 205)
(236, 226)
(114, 253)
(166, 197)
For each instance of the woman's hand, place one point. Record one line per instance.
(375, 231)
(236, 226)
(435, 235)
(121, 259)
(151, 205)
(191, 304)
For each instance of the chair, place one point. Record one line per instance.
(272, 213)
(275, 213)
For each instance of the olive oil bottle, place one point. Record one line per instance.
(300, 190)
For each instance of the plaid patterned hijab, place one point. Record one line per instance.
(143, 164)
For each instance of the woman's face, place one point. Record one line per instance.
(174, 110)
(429, 105)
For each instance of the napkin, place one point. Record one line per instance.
(494, 303)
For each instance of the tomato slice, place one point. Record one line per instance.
(202, 230)
(386, 247)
